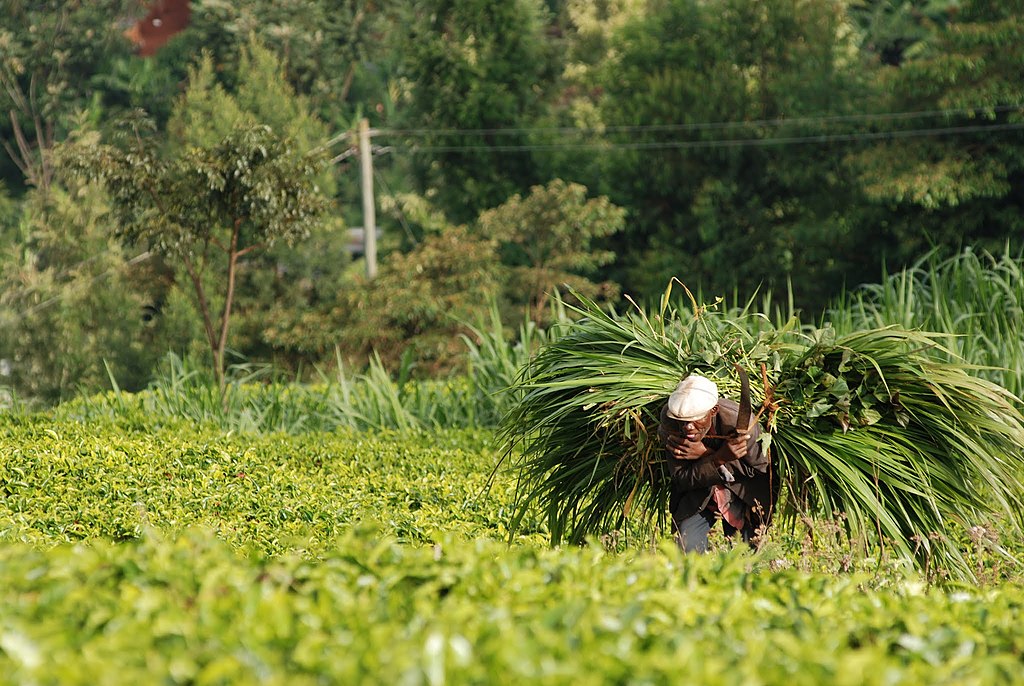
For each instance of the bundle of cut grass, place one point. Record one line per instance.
(910, 450)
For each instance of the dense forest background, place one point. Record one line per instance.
(199, 200)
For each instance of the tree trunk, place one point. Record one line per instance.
(225, 318)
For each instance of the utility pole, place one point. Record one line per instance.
(369, 213)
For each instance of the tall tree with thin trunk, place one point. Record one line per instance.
(208, 208)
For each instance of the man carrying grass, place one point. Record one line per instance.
(718, 469)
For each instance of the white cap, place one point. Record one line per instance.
(693, 398)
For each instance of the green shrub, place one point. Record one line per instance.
(189, 610)
(66, 481)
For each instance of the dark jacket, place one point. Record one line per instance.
(755, 482)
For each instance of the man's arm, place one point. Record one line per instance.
(695, 466)
(712, 468)
(752, 462)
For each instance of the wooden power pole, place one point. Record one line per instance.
(369, 213)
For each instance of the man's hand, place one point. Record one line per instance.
(682, 448)
(734, 448)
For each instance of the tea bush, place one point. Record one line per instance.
(189, 610)
(137, 550)
(65, 481)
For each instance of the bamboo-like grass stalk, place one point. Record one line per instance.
(877, 425)
(976, 298)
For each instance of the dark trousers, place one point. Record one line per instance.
(692, 532)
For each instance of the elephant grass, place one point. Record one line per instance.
(976, 298)
(910, 449)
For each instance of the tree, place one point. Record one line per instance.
(51, 53)
(300, 275)
(9, 211)
(957, 189)
(890, 29)
(697, 101)
(475, 65)
(422, 299)
(234, 198)
(261, 94)
(330, 49)
(70, 306)
(547, 242)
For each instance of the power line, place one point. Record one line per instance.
(401, 212)
(701, 126)
(722, 142)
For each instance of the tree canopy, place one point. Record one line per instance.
(208, 208)
(796, 146)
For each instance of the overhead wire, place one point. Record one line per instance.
(599, 135)
(720, 142)
(698, 126)
(401, 213)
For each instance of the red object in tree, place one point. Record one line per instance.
(164, 20)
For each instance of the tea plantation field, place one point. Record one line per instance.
(170, 553)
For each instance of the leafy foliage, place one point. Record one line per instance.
(697, 99)
(257, 399)
(187, 609)
(298, 277)
(955, 190)
(66, 481)
(422, 300)
(51, 54)
(249, 190)
(332, 49)
(71, 309)
(297, 558)
(975, 298)
(474, 65)
(548, 243)
(207, 112)
(893, 30)
(790, 146)
(135, 547)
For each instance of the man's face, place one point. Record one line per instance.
(694, 430)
